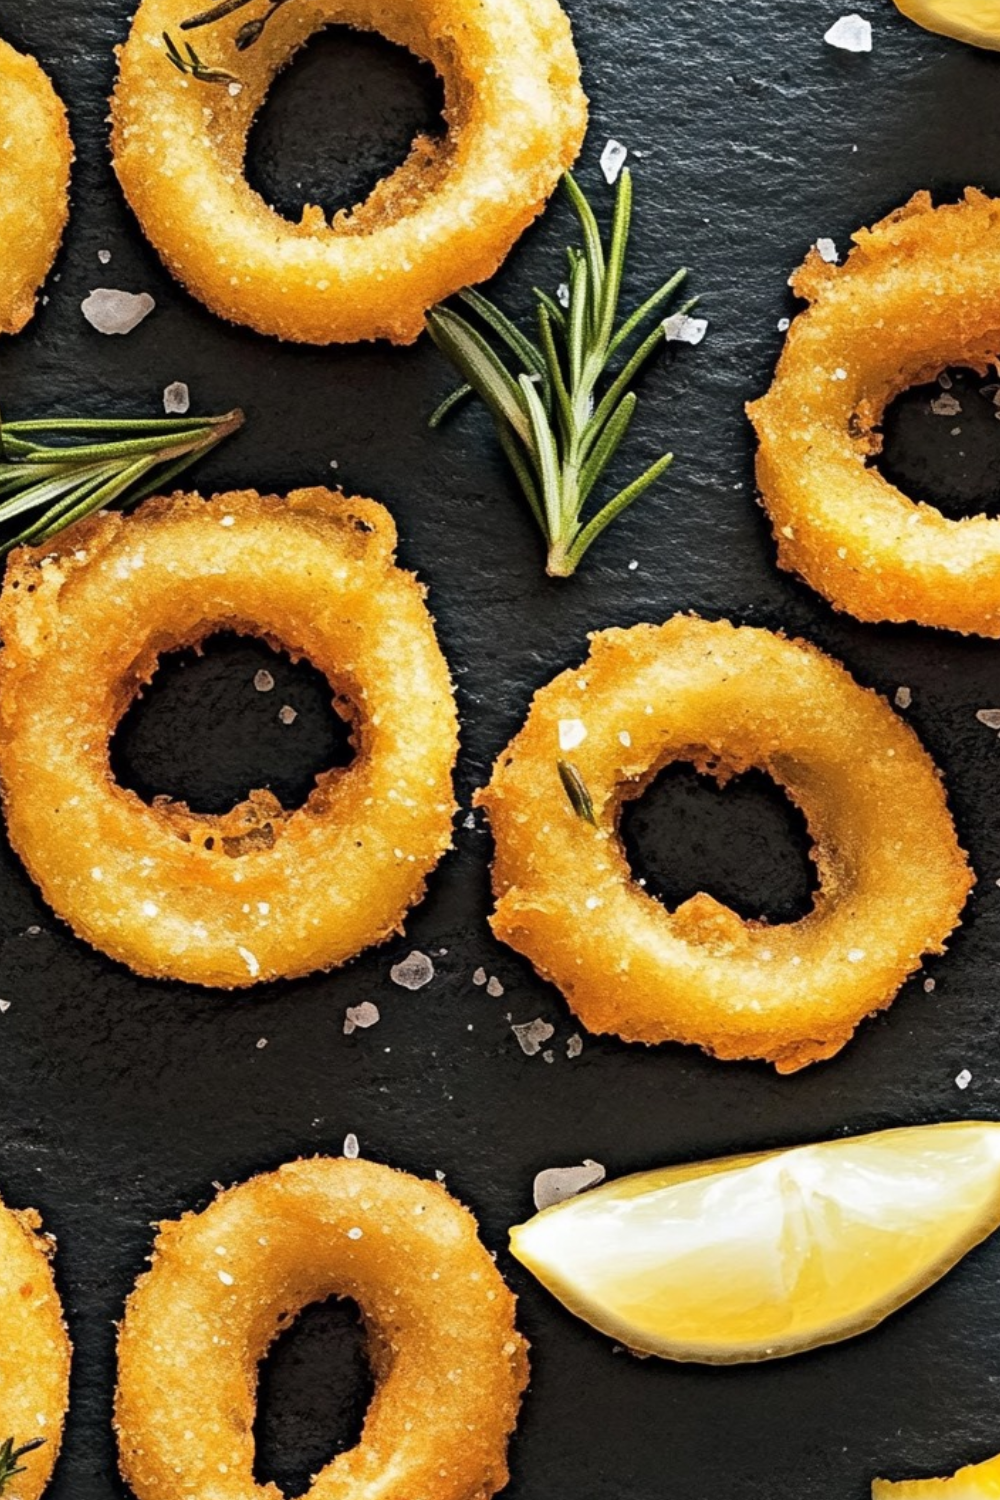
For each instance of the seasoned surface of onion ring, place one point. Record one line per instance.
(35, 157)
(446, 218)
(892, 879)
(449, 1365)
(34, 1351)
(916, 294)
(258, 892)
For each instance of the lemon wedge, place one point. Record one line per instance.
(756, 1257)
(973, 21)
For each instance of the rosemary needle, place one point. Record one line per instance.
(10, 1459)
(48, 483)
(556, 425)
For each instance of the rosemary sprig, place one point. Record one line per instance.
(248, 34)
(558, 429)
(56, 483)
(576, 791)
(10, 1459)
(190, 63)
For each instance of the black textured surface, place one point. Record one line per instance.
(123, 1099)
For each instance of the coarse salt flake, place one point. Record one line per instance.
(827, 250)
(572, 732)
(531, 1035)
(111, 311)
(250, 959)
(413, 972)
(352, 1150)
(613, 158)
(855, 955)
(850, 34)
(176, 399)
(963, 1080)
(361, 1017)
(556, 1184)
(680, 329)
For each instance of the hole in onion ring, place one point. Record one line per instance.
(204, 734)
(374, 98)
(745, 844)
(942, 444)
(315, 1387)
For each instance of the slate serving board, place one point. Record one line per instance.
(122, 1100)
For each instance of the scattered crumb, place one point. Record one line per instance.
(412, 973)
(827, 251)
(469, 820)
(945, 381)
(494, 988)
(111, 311)
(946, 406)
(532, 1034)
(479, 977)
(963, 1080)
(613, 158)
(287, 714)
(351, 1148)
(575, 1045)
(903, 697)
(261, 1043)
(850, 34)
(989, 716)
(548, 1056)
(930, 985)
(680, 329)
(104, 256)
(176, 399)
(361, 1017)
(556, 1184)
(263, 681)
(4, 1007)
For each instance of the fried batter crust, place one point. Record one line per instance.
(916, 294)
(259, 892)
(448, 1362)
(516, 116)
(892, 878)
(35, 157)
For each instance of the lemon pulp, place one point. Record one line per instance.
(756, 1257)
(974, 21)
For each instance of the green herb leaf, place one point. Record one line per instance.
(58, 483)
(576, 790)
(10, 1459)
(561, 412)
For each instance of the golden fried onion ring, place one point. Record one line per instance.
(34, 1349)
(892, 879)
(447, 217)
(448, 1362)
(917, 293)
(35, 157)
(258, 892)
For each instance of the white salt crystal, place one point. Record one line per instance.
(827, 251)
(963, 1080)
(412, 973)
(680, 329)
(532, 1034)
(784, 324)
(562, 294)
(104, 256)
(111, 311)
(850, 34)
(613, 158)
(556, 1184)
(176, 399)
(572, 732)
(351, 1148)
(360, 1017)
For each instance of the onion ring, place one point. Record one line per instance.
(34, 1349)
(892, 879)
(448, 1362)
(35, 157)
(258, 892)
(446, 218)
(916, 294)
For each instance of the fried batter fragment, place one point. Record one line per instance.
(892, 878)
